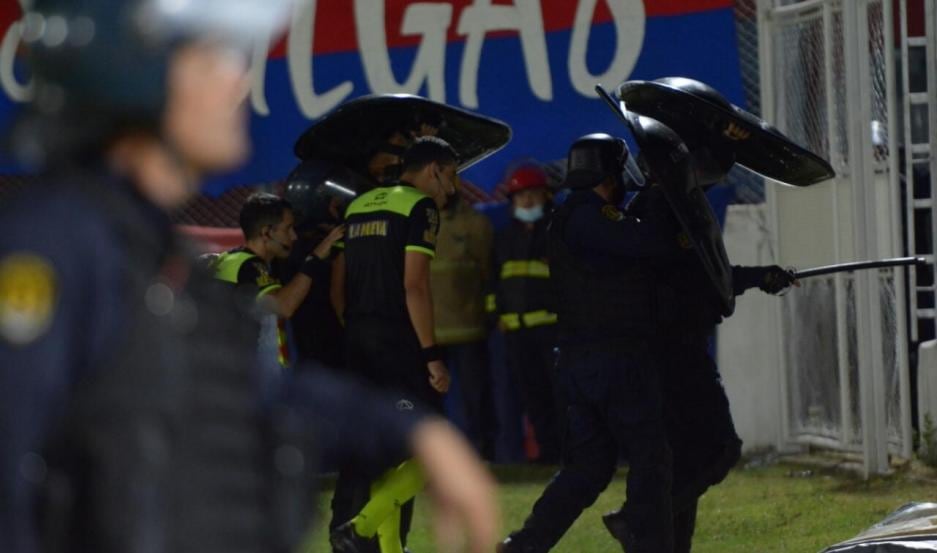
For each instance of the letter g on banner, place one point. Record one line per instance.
(630, 19)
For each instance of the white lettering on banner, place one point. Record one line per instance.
(258, 94)
(525, 17)
(8, 82)
(430, 21)
(422, 19)
(300, 59)
(629, 18)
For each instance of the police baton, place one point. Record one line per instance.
(857, 266)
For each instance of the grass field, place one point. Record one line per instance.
(780, 508)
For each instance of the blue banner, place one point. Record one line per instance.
(529, 63)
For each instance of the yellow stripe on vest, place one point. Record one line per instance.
(491, 303)
(514, 321)
(527, 268)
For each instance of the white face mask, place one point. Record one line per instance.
(529, 214)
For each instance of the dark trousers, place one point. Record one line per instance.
(469, 364)
(700, 429)
(614, 403)
(530, 356)
(387, 354)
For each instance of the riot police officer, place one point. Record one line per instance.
(605, 299)
(129, 412)
(690, 137)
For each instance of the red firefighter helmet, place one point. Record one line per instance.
(526, 178)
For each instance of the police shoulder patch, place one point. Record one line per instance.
(683, 239)
(432, 216)
(612, 213)
(264, 278)
(736, 133)
(28, 291)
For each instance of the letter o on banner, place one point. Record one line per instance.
(629, 18)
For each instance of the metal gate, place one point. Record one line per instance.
(829, 81)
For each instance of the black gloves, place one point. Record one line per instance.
(771, 279)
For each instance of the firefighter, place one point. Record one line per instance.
(521, 304)
(458, 276)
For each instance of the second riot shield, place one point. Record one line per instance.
(668, 160)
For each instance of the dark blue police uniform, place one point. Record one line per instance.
(699, 423)
(607, 300)
(130, 410)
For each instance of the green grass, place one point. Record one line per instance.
(761, 510)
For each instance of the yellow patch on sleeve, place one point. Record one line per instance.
(736, 133)
(612, 213)
(264, 278)
(684, 241)
(28, 291)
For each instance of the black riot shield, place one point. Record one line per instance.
(356, 129)
(668, 160)
(670, 165)
(698, 113)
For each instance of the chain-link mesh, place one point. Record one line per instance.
(840, 155)
(879, 85)
(811, 81)
(813, 376)
(746, 30)
(799, 68)
(749, 187)
(890, 359)
(852, 354)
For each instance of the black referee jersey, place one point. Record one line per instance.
(381, 226)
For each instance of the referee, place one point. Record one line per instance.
(381, 287)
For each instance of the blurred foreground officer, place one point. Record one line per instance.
(607, 372)
(130, 416)
(522, 301)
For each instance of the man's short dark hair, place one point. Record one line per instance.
(260, 210)
(426, 150)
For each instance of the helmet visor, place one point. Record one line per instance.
(238, 23)
(631, 174)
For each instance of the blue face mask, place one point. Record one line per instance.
(529, 214)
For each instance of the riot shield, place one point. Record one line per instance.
(355, 130)
(698, 112)
(670, 165)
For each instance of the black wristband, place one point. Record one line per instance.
(432, 353)
(314, 268)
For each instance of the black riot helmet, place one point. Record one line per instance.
(596, 156)
(320, 190)
(100, 67)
